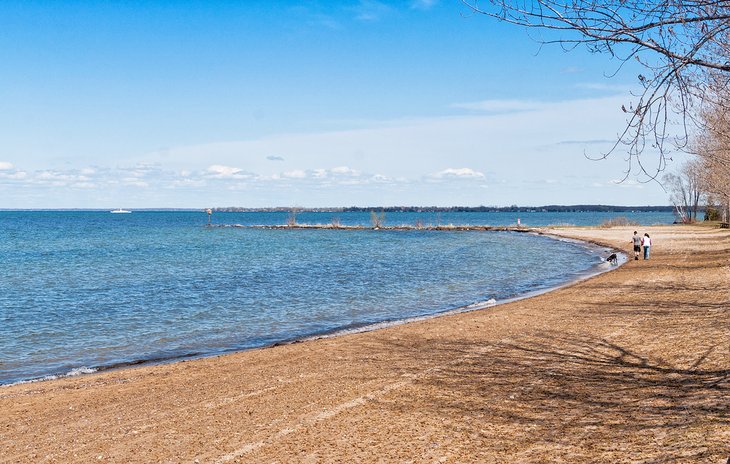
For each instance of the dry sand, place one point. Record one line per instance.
(629, 366)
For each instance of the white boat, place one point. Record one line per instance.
(120, 210)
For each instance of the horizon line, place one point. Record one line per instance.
(341, 208)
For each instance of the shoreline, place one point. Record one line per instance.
(626, 366)
(596, 269)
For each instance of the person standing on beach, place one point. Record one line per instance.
(646, 241)
(636, 240)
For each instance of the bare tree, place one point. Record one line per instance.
(713, 147)
(377, 219)
(716, 178)
(291, 219)
(682, 45)
(686, 189)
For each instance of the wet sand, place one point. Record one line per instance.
(628, 366)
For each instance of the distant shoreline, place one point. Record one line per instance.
(394, 209)
(464, 209)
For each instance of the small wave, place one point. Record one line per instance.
(80, 371)
(72, 373)
(482, 304)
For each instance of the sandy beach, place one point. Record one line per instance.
(632, 365)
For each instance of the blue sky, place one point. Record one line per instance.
(261, 103)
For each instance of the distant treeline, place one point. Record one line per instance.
(462, 209)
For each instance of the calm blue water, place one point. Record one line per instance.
(94, 290)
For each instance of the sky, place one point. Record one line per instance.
(194, 104)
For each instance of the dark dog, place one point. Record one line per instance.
(612, 258)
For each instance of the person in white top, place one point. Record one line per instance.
(646, 241)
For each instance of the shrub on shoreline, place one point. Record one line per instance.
(619, 221)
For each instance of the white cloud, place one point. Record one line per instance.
(298, 174)
(17, 175)
(317, 178)
(462, 173)
(60, 177)
(218, 171)
(534, 156)
(142, 170)
(136, 183)
(85, 185)
(6, 166)
(516, 150)
(345, 171)
(319, 173)
(186, 183)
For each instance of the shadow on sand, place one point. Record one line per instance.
(559, 389)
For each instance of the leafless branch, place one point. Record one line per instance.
(682, 44)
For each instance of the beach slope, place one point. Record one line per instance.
(628, 366)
